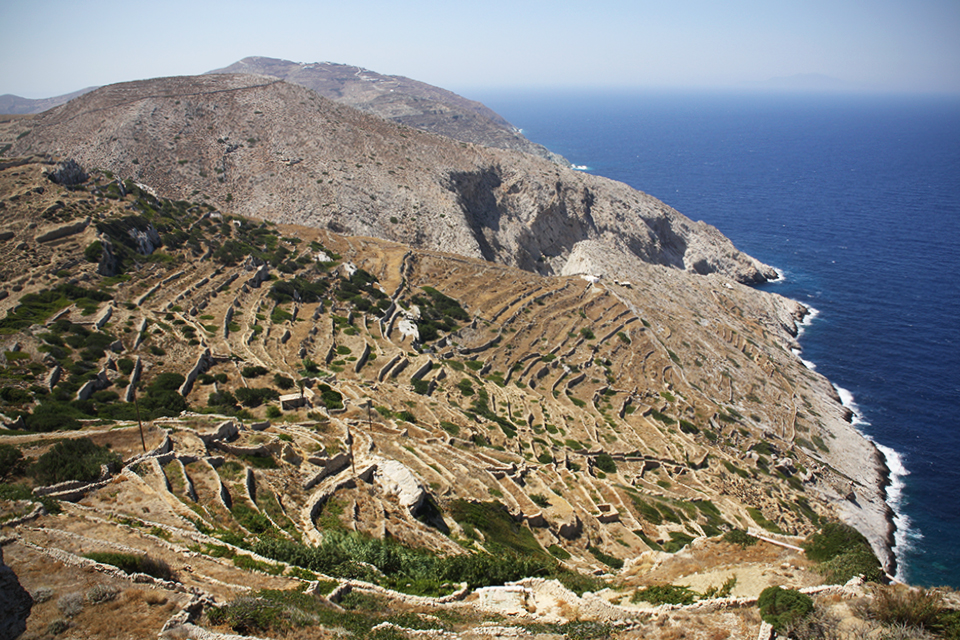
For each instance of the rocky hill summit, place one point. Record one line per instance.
(401, 100)
(342, 434)
(260, 147)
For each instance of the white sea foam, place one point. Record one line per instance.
(781, 277)
(580, 167)
(905, 536)
(808, 319)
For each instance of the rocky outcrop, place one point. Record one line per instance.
(68, 173)
(395, 479)
(15, 601)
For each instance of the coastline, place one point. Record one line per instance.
(870, 511)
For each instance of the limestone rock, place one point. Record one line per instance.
(394, 478)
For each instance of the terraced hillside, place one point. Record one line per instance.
(349, 413)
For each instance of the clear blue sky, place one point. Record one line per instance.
(54, 47)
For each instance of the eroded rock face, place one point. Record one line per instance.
(15, 601)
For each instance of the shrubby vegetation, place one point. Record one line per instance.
(76, 459)
(783, 607)
(842, 553)
(438, 312)
(132, 563)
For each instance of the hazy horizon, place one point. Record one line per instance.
(884, 47)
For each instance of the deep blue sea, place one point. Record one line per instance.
(857, 200)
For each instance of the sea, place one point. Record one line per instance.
(856, 199)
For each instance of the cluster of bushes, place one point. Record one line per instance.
(282, 612)
(133, 563)
(36, 308)
(76, 459)
(782, 608)
(842, 552)
(438, 312)
(298, 288)
(331, 398)
(358, 289)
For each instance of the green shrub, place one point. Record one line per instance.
(133, 563)
(94, 251)
(605, 463)
(558, 552)
(842, 553)
(605, 558)
(255, 396)
(664, 594)
(782, 607)
(450, 427)
(540, 500)
(740, 537)
(78, 459)
(11, 461)
(283, 382)
(331, 398)
(253, 371)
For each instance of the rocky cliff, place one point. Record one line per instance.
(256, 146)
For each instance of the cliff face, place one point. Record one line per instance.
(399, 99)
(256, 146)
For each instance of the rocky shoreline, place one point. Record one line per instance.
(865, 505)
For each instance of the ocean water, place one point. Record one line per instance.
(857, 200)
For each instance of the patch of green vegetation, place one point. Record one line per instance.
(739, 537)
(605, 463)
(331, 398)
(759, 518)
(133, 563)
(255, 396)
(782, 607)
(36, 308)
(450, 427)
(677, 541)
(842, 552)
(665, 594)
(73, 459)
(558, 552)
(611, 561)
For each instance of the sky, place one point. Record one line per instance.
(59, 46)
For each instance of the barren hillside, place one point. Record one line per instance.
(255, 146)
(401, 100)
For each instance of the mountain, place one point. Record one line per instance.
(257, 146)
(326, 414)
(401, 100)
(11, 104)
(275, 366)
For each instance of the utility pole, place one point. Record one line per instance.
(136, 404)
